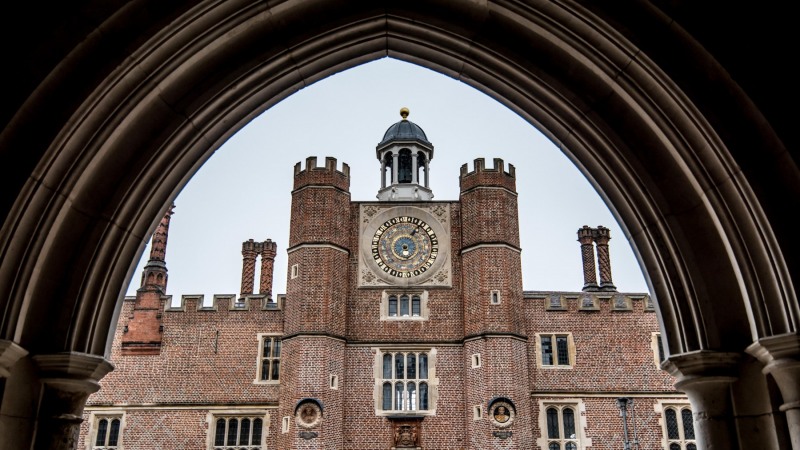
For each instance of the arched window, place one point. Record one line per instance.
(404, 166)
(423, 396)
(421, 167)
(679, 427)
(392, 306)
(387, 396)
(561, 427)
(108, 431)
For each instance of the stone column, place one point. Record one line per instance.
(601, 237)
(395, 163)
(781, 358)
(585, 237)
(46, 394)
(383, 173)
(249, 253)
(426, 173)
(706, 377)
(414, 168)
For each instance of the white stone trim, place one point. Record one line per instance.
(580, 420)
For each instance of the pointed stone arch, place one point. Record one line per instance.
(139, 98)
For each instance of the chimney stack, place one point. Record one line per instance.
(596, 240)
(586, 238)
(250, 250)
(268, 252)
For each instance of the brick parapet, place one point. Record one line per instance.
(327, 175)
(481, 176)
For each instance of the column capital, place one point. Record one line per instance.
(689, 366)
(72, 371)
(10, 353)
(781, 358)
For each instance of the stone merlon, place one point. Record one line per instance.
(481, 176)
(322, 176)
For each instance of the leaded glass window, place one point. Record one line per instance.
(560, 422)
(238, 433)
(270, 358)
(555, 350)
(107, 436)
(404, 384)
(679, 427)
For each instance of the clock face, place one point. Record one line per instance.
(405, 247)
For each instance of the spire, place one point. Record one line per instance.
(154, 275)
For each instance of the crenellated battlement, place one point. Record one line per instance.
(225, 302)
(327, 175)
(483, 176)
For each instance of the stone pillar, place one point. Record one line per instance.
(47, 394)
(781, 358)
(395, 163)
(10, 353)
(249, 253)
(268, 252)
(383, 173)
(706, 378)
(414, 177)
(601, 237)
(585, 237)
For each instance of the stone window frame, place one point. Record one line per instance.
(581, 440)
(238, 414)
(285, 424)
(570, 350)
(432, 381)
(294, 272)
(657, 346)
(477, 412)
(260, 358)
(683, 443)
(475, 360)
(424, 313)
(94, 421)
(494, 297)
(333, 380)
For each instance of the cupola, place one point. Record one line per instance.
(404, 153)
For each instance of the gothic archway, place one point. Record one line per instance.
(140, 96)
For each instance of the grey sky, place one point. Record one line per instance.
(244, 190)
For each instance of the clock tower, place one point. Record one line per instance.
(409, 308)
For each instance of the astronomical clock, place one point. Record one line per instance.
(406, 245)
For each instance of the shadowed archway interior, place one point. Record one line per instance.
(116, 108)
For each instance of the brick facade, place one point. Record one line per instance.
(477, 350)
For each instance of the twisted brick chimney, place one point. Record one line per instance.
(595, 240)
(251, 250)
(268, 252)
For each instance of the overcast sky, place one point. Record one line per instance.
(244, 190)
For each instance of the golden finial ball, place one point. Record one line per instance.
(404, 113)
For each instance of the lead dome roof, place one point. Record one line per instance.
(404, 130)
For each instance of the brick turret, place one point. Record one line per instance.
(492, 285)
(317, 287)
(143, 332)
